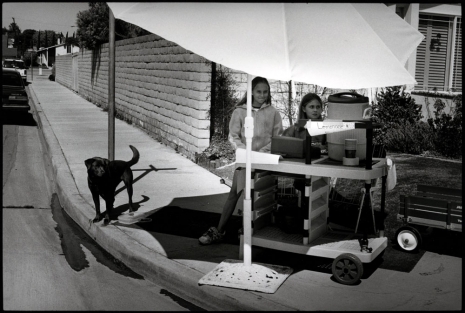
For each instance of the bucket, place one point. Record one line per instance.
(346, 106)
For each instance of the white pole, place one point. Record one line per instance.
(247, 218)
(40, 64)
(111, 87)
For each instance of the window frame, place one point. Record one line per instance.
(450, 63)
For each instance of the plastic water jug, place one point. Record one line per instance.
(346, 106)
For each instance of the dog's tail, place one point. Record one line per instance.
(135, 157)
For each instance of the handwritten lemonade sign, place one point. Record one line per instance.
(326, 127)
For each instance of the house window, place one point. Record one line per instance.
(457, 62)
(439, 55)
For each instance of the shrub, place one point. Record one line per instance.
(414, 138)
(447, 128)
(220, 149)
(224, 103)
(394, 107)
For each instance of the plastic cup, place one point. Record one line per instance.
(350, 146)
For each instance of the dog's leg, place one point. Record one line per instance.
(128, 179)
(109, 204)
(96, 198)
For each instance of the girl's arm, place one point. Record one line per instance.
(235, 128)
(289, 132)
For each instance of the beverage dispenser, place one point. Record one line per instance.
(346, 106)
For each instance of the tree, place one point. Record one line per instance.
(27, 40)
(72, 41)
(14, 29)
(15, 32)
(93, 28)
(285, 102)
(224, 102)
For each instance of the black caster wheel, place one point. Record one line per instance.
(347, 269)
(408, 238)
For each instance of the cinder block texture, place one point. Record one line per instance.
(160, 87)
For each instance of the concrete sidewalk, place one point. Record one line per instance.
(73, 130)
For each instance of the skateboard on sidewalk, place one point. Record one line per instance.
(133, 217)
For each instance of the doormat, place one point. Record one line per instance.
(261, 277)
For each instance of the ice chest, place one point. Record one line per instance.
(291, 147)
(346, 106)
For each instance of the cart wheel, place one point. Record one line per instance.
(408, 238)
(347, 269)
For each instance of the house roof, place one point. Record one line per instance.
(43, 49)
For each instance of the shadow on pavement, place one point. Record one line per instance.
(187, 225)
(184, 224)
(18, 118)
(72, 236)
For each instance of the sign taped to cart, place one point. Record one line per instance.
(326, 127)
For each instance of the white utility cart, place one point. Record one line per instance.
(317, 238)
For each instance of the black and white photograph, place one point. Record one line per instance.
(232, 156)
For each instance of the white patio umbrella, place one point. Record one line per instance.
(336, 45)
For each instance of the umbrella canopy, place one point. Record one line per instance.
(336, 45)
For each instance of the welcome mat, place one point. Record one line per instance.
(261, 277)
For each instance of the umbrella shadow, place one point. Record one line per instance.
(178, 229)
(178, 226)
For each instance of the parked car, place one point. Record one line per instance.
(18, 65)
(14, 96)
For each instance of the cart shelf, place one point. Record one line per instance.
(329, 245)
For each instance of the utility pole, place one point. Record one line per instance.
(111, 88)
(14, 28)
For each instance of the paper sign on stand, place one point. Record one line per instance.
(257, 157)
(316, 128)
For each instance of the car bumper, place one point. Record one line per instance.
(16, 107)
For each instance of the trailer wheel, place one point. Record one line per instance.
(347, 269)
(408, 238)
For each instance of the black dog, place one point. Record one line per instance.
(103, 176)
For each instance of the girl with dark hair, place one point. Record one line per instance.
(267, 123)
(311, 108)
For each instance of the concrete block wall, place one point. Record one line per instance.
(63, 70)
(160, 87)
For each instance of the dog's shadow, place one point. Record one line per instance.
(115, 212)
(125, 207)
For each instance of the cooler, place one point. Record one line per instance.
(346, 106)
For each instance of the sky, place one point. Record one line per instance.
(57, 16)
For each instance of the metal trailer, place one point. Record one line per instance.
(430, 206)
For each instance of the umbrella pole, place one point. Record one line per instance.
(247, 217)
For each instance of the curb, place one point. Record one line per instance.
(178, 277)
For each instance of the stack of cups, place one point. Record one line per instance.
(350, 146)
